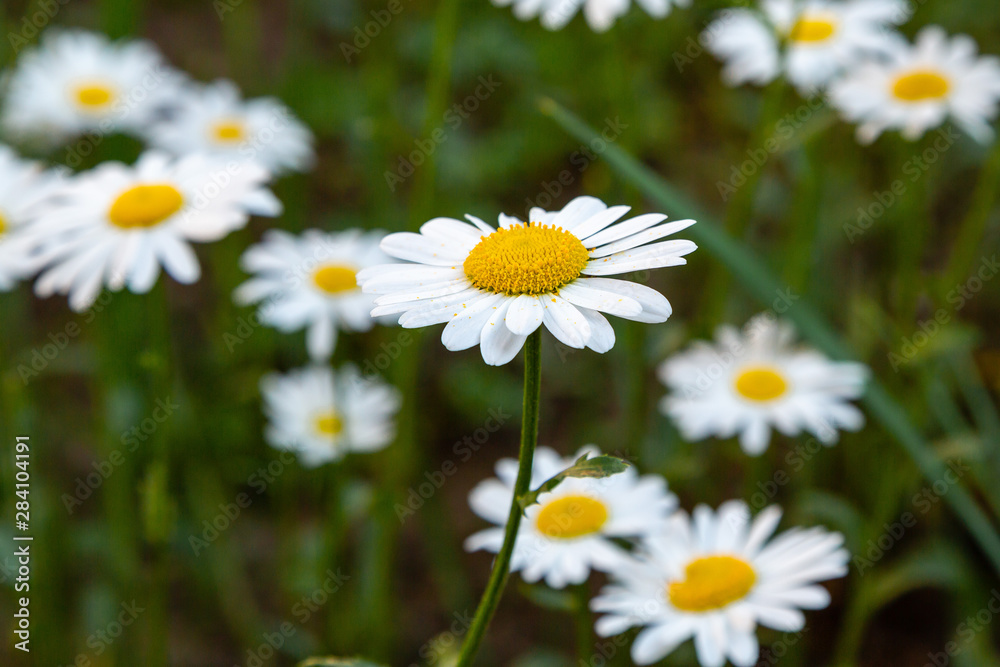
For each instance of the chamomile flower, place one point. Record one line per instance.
(600, 14)
(24, 189)
(321, 416)
(570, 531)
(810, 42)
(215, 120)
(714, 578)
(310, 282)
(920, 86)
(78, 82)
(494, 287)
(116, 225)
(752, 381)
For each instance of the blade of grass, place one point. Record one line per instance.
(758, 281)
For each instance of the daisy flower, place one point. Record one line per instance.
(78, 82)
(24, 188)
(321, 416)
(213, 119)
(752, 381)
(600, 14)
(715, 578)
(310, 282)
(919, 86)
(570, 531)
(115, 225)
(494, 287)
(810, 42)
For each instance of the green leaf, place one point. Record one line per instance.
(596, 467)
(331, 661)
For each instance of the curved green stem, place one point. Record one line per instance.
(529, 439)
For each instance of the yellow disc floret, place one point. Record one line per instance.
(145, 206)
(229, 131)
(921, 86)
(3, 224)
(571, 516)
(94, 96)
(761, 384)
(811, 30)
(336, 278)
(712, 583)
(526, 259)
(329, 424)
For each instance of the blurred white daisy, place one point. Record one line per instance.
(310, 282)
(116, 224)
(495, 287)
(600, 14)
(321, 416)
(919, 86)
(213, 119)
(24, 189)
(78, 82)
(570, 531)
(752, 381)
(715, 578)
(809, 42)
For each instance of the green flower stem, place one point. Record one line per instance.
(754, 276)
(584, 623)
(913, 229)
(529, 439)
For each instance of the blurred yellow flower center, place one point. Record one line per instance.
(712, 583)
(526, 259)
(329, 424)
(145, 206)
(761, 384)
(571, 516)
(812, 29)
(921, 86)
(94, 95)
(335, 278)
(229, 131)
(3, 224)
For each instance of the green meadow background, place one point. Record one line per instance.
(167, 532)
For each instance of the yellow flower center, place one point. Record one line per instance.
(145, 206)
(526, 259)
(920, 86)
(812, 29)
(229, 131)
(3, 224)
(329, 424)
(571, 516)
(761, 384)
(336, 278)
(712, 583)
(94, 96)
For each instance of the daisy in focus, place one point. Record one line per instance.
(24, 188)
(494, 287)
(600, 14)
(115, 225)
(570, 531)
(752, 381)
(918, 87)
(213, 119)
(809, 42)
(310, 282)
(78, 82)
(321, 416)
(715, 578)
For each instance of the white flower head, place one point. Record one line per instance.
(751, 381)
(24, 189)
(495, 287)
(78, 82)
(918, 87)
(310, 282)
(321, 416)
(716, 577)
(115, 225)
(809, 42)
(600, 14)
(570, 531)
(215, 120)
